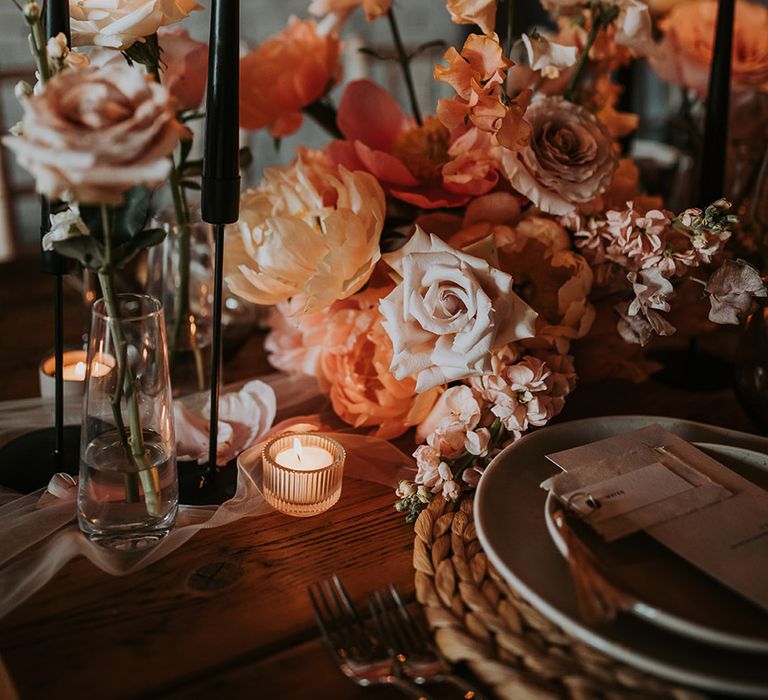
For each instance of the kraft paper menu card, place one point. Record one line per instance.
(655, 481)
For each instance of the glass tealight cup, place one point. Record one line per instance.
(303, 473)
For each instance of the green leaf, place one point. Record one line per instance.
(246, 157)
(85, 249)
(129, 218)
(191, 184)
(132, 247)
(192, 168)
(375, 54)
(434, 44)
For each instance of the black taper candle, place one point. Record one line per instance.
(221, 171)
(56, 22)
(713, 157)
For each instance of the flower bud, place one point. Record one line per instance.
(22, 90)
(32, 12)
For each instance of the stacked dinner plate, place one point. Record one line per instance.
(681, 624)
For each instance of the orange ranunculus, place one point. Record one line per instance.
(355, 361)
(285, 74)
(406, 159)
(479, 12)
(689, 34)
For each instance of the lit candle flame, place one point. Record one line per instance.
(80, 370)
(298, 449)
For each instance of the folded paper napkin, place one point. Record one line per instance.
(244, 417)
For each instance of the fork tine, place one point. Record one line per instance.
(324, 620)
(416, 630)
(392, 630)
(348, 616)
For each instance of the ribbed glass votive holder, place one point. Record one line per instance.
(303, 473)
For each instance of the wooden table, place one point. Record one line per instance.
(227, 615)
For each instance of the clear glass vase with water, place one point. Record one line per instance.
(128, 489)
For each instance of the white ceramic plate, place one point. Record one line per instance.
(509, 514)
(698, 614)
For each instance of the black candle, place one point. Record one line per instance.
(221, 168)
(57, 19)
(221, 174)
(712, 176)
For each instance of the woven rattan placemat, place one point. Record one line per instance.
(478, 619)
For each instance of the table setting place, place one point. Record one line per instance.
(370, 348)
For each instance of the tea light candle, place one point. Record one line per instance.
(73, 372)
(303, 473)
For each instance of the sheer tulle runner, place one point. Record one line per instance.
(40, 533)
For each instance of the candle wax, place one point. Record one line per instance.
(310, 458)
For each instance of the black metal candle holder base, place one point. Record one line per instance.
(28, 462)
(693, 369)
(195, 490)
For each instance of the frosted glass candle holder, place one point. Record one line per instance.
(303, 473)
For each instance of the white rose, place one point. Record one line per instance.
(118, 24)
(449, 312)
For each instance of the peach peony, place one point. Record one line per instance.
(93, 134)
(118, 24)
(449, 312)
(184, 67)
(688, 44)
(285, 74)
(309, 229)
(407, 160)
(355, 360)
(569, 160)
(479, 12)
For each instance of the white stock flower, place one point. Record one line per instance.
(64, 225)
(547, 56)
(449, 312)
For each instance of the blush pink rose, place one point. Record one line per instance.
(186, 67)
(688, 46)
(569, 160)
(93, 134)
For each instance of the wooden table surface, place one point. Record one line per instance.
(227, 615)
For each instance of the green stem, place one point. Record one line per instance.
(405, 65)
(133, 441)
(37, 39)
(573, 85)
(510, 27)
(325, 115)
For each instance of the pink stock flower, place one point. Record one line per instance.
(451, 422)
(406, 159)
(732, 291)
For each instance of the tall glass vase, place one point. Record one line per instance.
(751, 368)
(128, 489)
(180, 275)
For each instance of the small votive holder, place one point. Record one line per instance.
(302, 473)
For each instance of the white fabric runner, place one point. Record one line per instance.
(39, 532)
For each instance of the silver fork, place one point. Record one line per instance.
(410, 645)
(356, 651)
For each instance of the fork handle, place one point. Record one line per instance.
(469, 692)
(408, 688)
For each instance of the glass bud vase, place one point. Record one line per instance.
(180, 275)
(128, 489)
(751, 370)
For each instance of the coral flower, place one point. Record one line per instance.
(285, 74)
(406, 159)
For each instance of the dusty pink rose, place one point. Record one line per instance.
(118, 24)
(354, 362)
(449, 312)
(289, 71)
(688, 46)
(185, 67)
(479, 12)
(93, 134)
(568, 161)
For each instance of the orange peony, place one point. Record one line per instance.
(285, 74)
(689, 37)
(354, 363)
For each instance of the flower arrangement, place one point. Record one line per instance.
(433, 272)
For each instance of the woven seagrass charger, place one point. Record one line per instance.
(478, 619)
